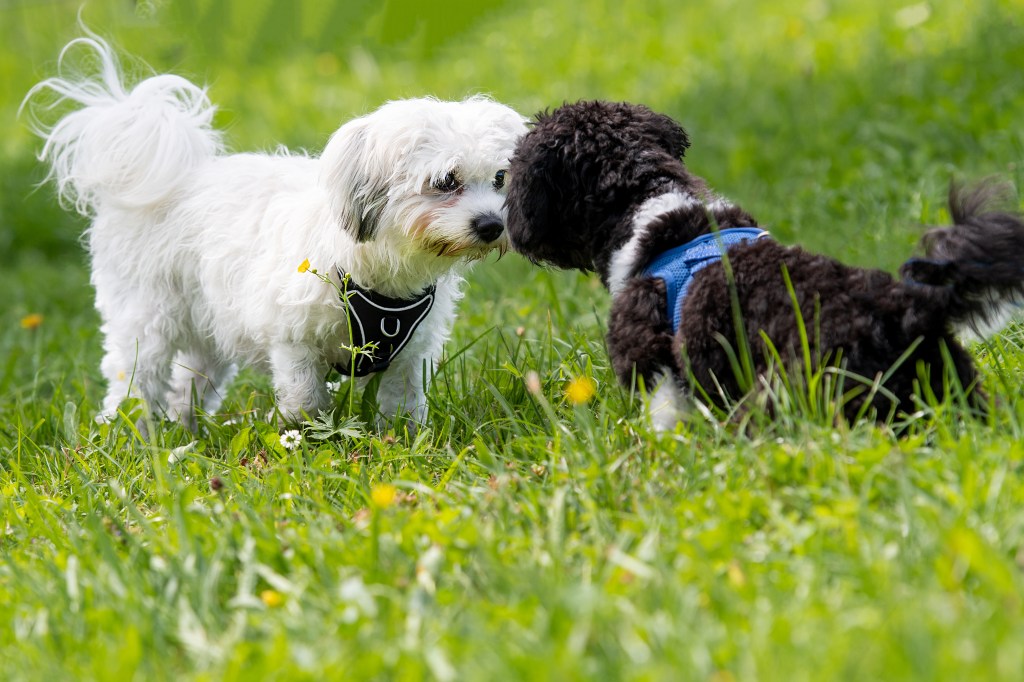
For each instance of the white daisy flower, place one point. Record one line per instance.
(291, 439)
(180, 453)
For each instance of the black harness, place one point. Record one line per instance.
(382, 320)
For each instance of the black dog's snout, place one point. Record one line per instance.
(487, 227)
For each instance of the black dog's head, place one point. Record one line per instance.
(576, 174)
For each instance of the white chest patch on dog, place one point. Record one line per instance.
(623, 262)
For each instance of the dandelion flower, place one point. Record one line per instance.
(271, 598)
(31, 321)
(291, 439)
(580, 390)
(736, 576)
(304, 265)
(383, 495)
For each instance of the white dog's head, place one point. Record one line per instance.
(424, 178)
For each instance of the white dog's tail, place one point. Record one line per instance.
(124, 148)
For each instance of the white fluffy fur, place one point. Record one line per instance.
(623, 261)
(195, 252)
(663, 405)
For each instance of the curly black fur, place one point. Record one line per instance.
(640, 308)
(581, 178)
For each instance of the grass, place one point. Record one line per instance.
(519, 535)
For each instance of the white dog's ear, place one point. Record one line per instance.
(356, 176)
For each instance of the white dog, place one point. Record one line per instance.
(195, 252)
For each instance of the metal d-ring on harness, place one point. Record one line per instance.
(385, 321)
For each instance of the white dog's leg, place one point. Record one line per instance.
(136, 365)
(401, 389)
(663, 405)
(402, 385)
(298, 375)
(198, 381)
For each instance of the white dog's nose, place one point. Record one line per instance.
(487, 227)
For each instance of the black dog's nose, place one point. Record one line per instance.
(488, 227)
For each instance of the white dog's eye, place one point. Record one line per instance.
(449, 183)
(499, 179)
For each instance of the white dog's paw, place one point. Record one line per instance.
(663, 405)
(398, 423)
(391, 413)
(283, 418)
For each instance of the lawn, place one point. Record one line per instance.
(521, 535)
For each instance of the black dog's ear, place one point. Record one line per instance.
(669, 134)
(532, 210)
(644, 126)
(546, 218)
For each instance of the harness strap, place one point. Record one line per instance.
(677, 266)
(383, 320)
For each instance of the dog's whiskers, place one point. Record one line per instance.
(464, 250)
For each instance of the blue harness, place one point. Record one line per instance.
(676, 267)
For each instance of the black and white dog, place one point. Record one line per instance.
(600, 186)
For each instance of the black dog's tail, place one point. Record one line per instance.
(978, 262)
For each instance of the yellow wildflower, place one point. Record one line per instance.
(383, 495)
(272, 598)
(31, 321)
(580, 390)
(735, 575)
(304, 265)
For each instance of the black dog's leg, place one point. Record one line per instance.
(642, 348)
